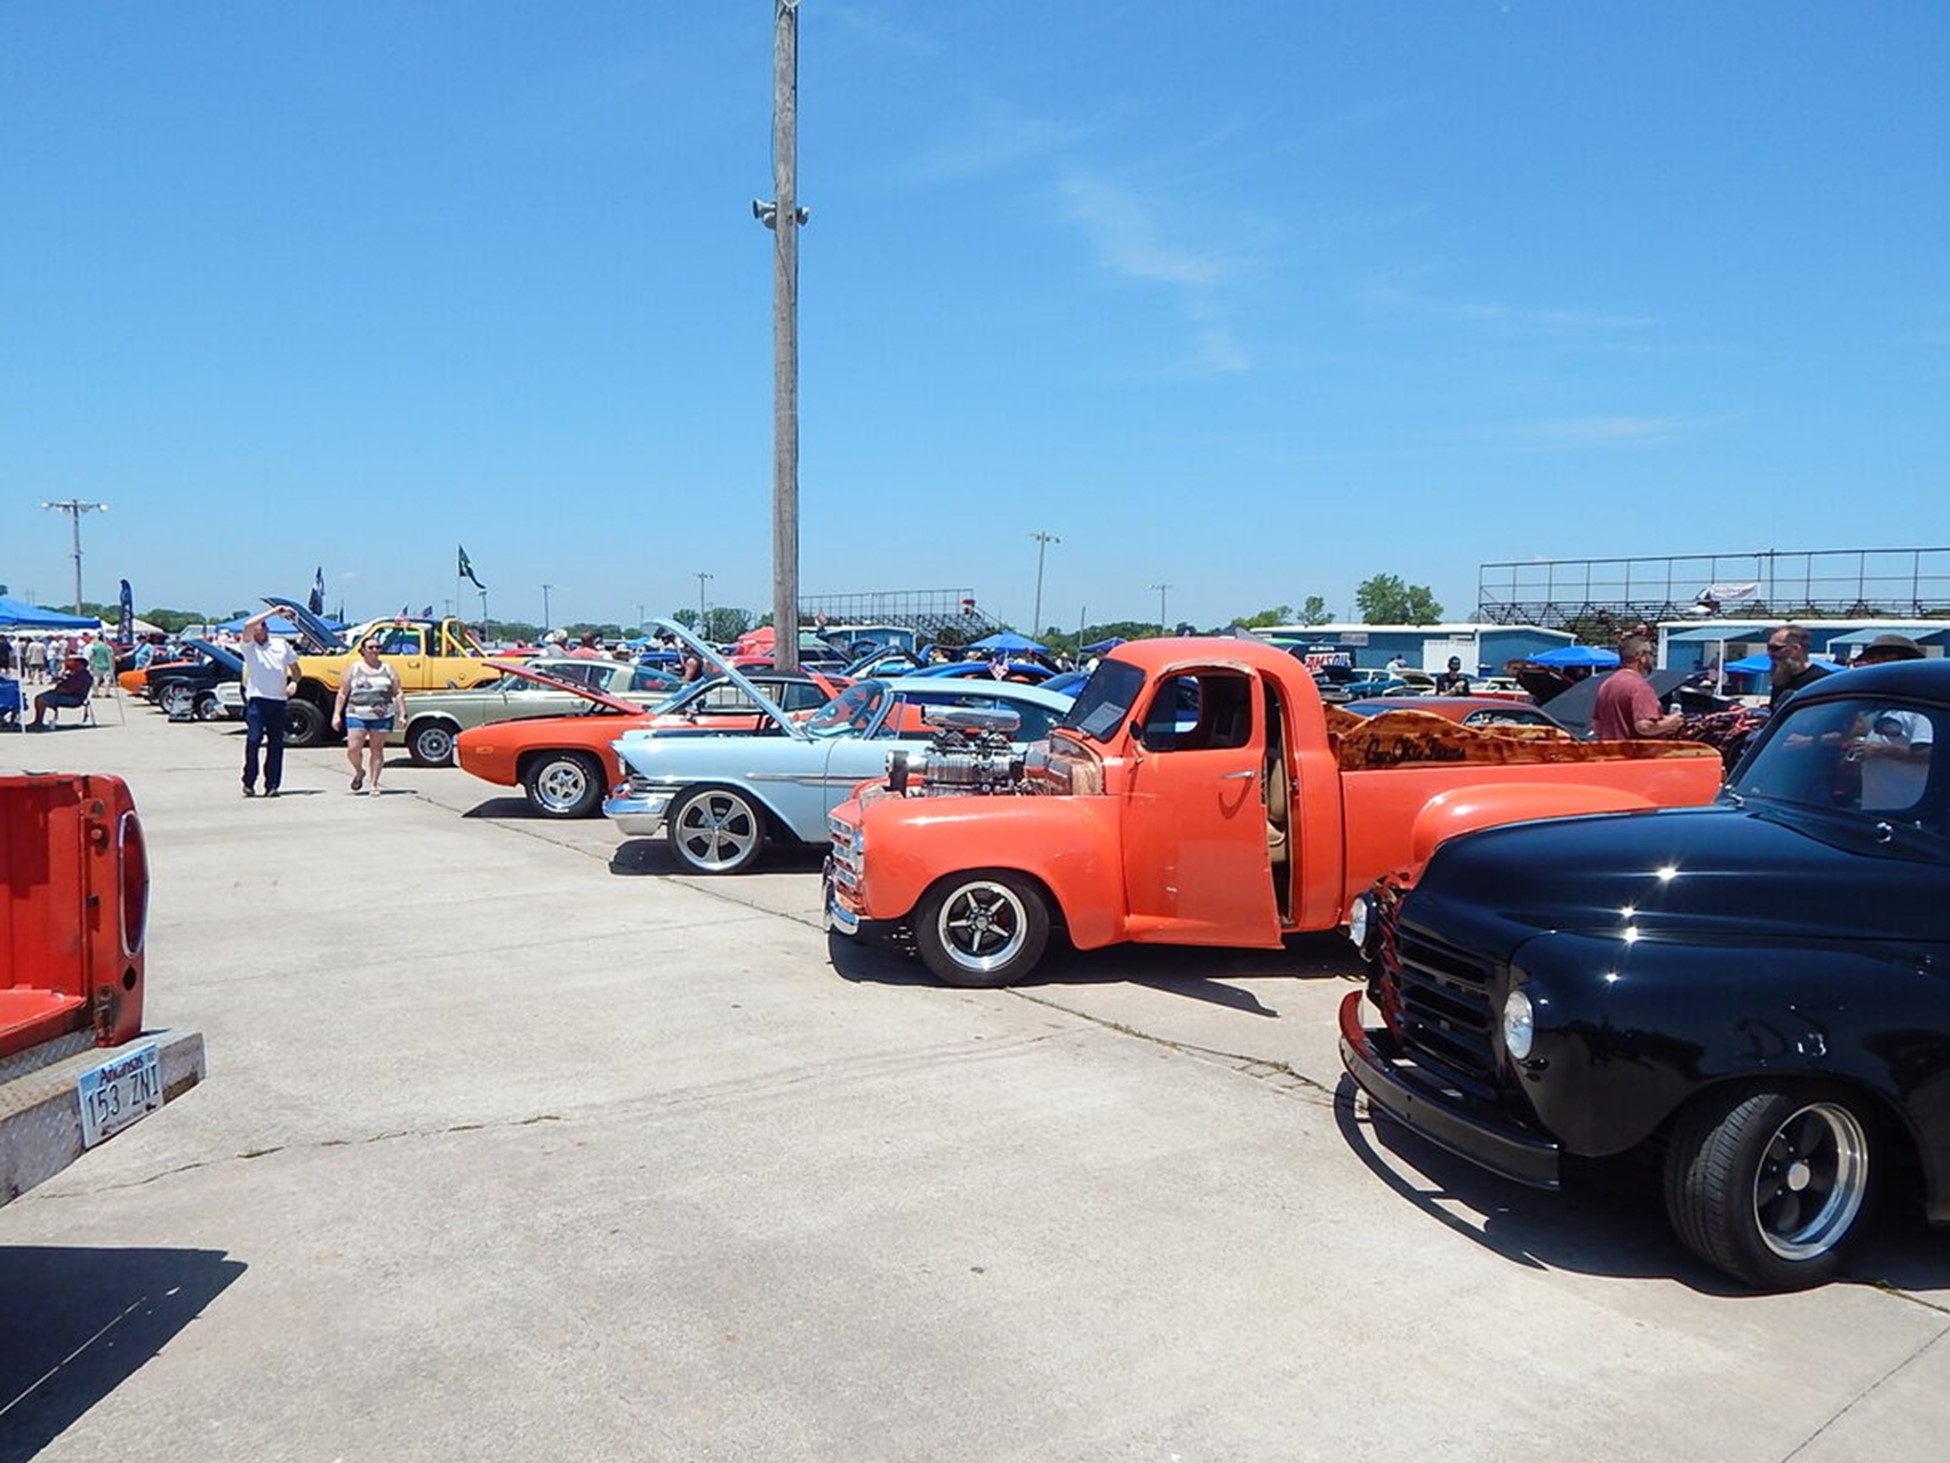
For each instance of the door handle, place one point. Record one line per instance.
(1238, 776)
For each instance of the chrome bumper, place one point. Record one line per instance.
(636, 815)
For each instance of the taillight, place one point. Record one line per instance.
(132, 873)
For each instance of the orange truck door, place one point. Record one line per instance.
(1196, 866)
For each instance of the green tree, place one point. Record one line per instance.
(725, 623)
(687, 617)
(1385, 600)
(1278, 615)
(1313, 611)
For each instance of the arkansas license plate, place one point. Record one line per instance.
(122, 1089)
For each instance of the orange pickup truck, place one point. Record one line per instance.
(1199, 793)
(76, 1064)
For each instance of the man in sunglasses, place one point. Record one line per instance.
(1790, 668)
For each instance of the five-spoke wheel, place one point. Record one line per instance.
(714, 830)
(564, 784)
(981, 929)
(1769, 1184)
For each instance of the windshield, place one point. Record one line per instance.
(1862, 756)
(851, 712)
(1106, 700)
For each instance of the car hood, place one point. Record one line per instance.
(1692, 874)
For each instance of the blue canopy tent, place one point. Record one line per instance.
(1754, 665)
(277, 625)
(17, 614)
(1009, 640)
(1570, 656)
(1100, 647)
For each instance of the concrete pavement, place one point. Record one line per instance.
(518, 1144)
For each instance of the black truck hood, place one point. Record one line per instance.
(1708, 875)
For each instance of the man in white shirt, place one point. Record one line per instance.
(270, 677)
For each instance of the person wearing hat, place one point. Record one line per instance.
(1893, 745)
(1885, 648)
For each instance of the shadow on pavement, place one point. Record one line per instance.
(1608, 1219)
(78, 1322)
(639, 856)
(1201, 973)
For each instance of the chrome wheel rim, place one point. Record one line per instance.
(982, 926)
(717, 830)
(1813, 1177)
(562, 785)
(436, 744)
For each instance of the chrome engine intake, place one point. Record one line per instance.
(972, 752)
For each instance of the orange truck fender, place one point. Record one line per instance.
(1061, 843)
(1465, 809)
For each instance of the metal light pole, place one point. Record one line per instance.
(701, 576)
(74, 508)
(546, 621)
(1164, 625)
(1043, 541)
(784, 216)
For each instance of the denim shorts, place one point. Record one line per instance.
(369, 723)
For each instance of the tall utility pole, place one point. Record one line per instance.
(74, 508)
(701, 577)
(1043, 541)
(784, 216)
(1164, 625)
(546, 622)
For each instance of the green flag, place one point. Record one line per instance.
(467, 569)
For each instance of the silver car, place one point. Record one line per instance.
(721, 799)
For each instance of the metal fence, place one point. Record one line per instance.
(1909, 584)
(948, 616)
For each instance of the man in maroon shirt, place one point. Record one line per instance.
(1628, 707)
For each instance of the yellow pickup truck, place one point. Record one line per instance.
(429, 655)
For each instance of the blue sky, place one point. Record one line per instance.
(1250, 297)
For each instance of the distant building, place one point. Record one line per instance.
(1483, 649)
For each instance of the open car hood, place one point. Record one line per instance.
(710, 656)
(559, 683)
(317, 637)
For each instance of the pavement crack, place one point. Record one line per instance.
(244, 1156)
(1873, 1387)
(1263, 1068)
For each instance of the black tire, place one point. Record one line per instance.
(177, 700)
(1768, 1184)
(985, 928)
(715, 830)
(305, 724)
(208, 707)
(564, 784)
(430, 743)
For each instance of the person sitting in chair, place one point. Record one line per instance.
(71, 690)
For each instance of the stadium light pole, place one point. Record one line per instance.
(1164, 626)
(546, 622)
(74, 508)
(1043, 541)
(701, 576)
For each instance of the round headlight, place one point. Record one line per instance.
(1518, 1025)
(1360, 918)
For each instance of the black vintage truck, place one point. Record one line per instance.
(1756, 993)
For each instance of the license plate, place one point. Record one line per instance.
(126, 1087)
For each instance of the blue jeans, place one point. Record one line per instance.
(264, 726)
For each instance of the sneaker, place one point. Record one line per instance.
(249, 791)
(270, 792)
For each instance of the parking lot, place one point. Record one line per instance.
(516, 1144)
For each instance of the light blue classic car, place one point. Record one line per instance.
(721, 799)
